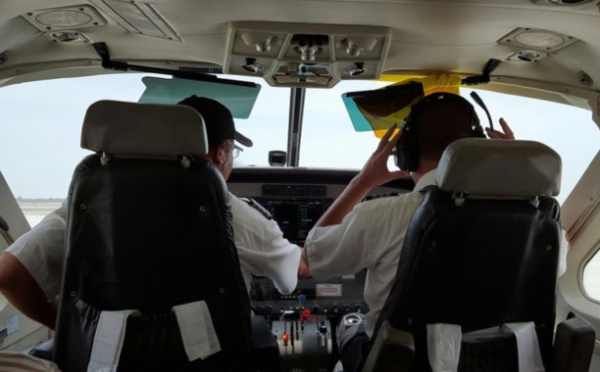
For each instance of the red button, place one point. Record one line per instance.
(305, 314)
(285, 338)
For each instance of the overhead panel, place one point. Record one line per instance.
(300, 55)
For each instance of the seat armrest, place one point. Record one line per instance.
(42, 350)
(573, 345)
(392, 350)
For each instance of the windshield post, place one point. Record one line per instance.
(295, 125)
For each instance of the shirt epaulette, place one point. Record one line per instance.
(254, 204)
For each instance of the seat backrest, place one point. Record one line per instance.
(482, 249)
(151, 267)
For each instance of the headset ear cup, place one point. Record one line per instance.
(477, 131)
(407, 157)
(476, 128)
(400, 158)
(411, 151)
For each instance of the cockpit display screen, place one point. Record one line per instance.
(295, 217)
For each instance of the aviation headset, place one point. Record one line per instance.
(407, 148)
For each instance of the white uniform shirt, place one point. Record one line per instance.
(261, 248)
(371, 237)
(42, 250)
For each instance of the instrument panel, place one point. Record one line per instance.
(295, 216)
(303, 323)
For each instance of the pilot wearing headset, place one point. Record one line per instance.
(352, 236)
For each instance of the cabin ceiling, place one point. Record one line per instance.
(322, 42)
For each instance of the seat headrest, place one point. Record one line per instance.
(138, 130)
(503, 168)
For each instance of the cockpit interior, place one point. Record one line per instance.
(315, 85)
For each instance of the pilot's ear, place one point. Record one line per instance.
(219, 154)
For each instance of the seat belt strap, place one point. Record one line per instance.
(530, 358)
(443, 346)
(197, 330)
(108, 340)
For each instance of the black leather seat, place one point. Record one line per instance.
(482, 251)
(152, 279)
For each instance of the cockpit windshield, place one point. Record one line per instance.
(41, 123)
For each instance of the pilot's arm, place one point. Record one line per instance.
(31, 268)
(261, 247)
(20, 289)
(374, 173)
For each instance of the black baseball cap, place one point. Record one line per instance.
(217, 119)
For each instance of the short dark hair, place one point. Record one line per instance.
(443, 122)
(432, 124)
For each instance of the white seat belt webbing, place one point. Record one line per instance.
(108, 340)
(197, 330)
(530, 358)
(443, 346)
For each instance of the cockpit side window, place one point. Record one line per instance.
(591, 277)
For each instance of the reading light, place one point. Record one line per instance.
(264, 46)
(262, 41)
(252, 66)
(307, 52)
(308, 45)
(352, 49)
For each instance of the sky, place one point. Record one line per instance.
(40, 126)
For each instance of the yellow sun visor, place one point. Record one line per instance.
(379, 109)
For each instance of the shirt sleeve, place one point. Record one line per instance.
(562, 253)
(262, 249)
(343, 244)
(42, 249)
(369, 237)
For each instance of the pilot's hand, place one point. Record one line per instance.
(375, 171)
(496, 134)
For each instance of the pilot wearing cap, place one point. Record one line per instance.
(262, 249)
(31, 269)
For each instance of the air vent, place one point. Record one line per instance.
(526, 56)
